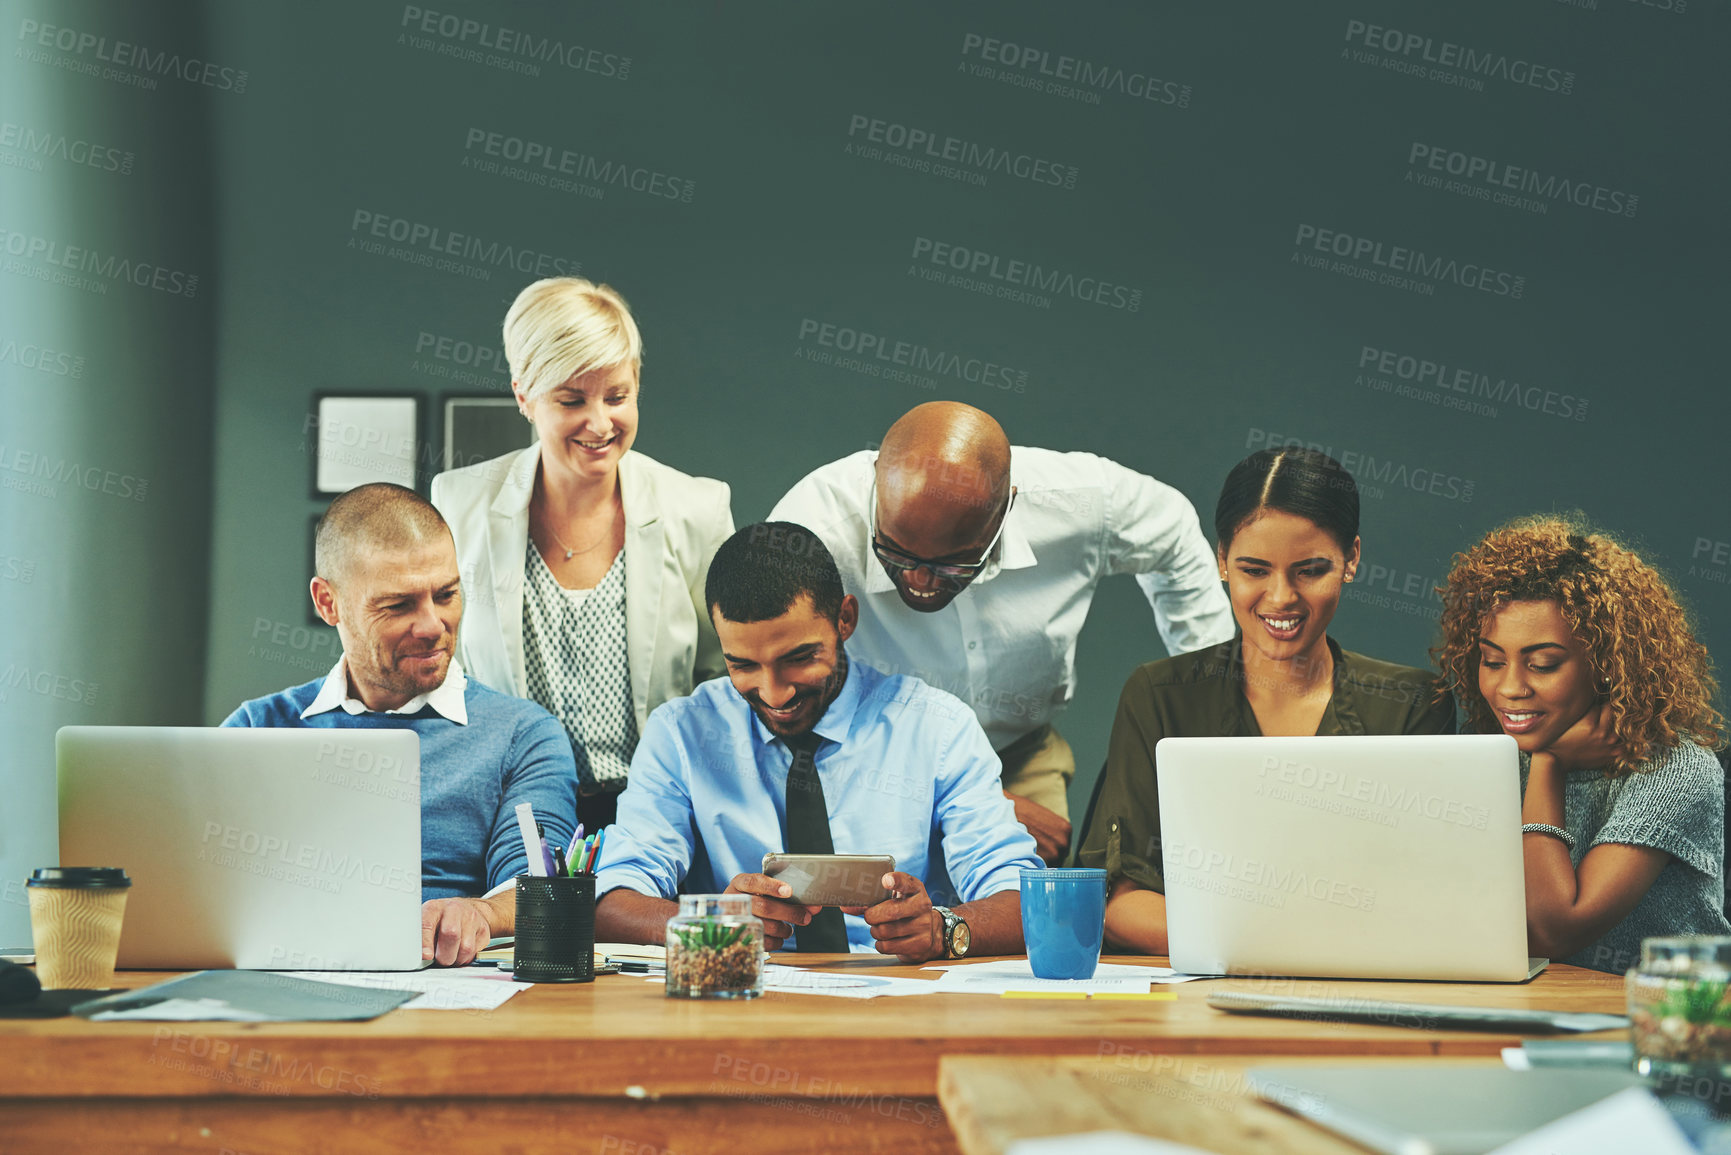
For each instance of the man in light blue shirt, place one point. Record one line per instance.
(901, 768)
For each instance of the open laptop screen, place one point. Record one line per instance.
(251, 848)
(1393, 857)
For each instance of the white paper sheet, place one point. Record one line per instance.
(1022, 968)
(632, 950)
(1627, 1122)
(460, 989)
(979, 981)
(795, 980)
(798, 981)
(1101, 1143)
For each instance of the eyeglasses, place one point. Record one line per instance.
(949, 571)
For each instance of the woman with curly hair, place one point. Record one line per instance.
(1286, 530)
(1578, 649)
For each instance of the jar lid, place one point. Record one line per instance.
(706, 905)
(1686, 954)
(80, 877)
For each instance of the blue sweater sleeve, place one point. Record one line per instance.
(541, 771)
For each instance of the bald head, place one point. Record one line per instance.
(371, 521)
(943, 484)
(946, 454)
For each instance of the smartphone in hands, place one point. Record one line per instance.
(831, 879)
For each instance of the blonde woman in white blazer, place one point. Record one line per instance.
(583, 562)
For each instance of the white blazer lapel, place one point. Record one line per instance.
(645, 567)
(507, 545)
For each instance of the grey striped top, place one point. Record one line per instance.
(1675, 803)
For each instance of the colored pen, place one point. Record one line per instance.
(571, 850)
(537, 866)
(595, 854)
(559, 870)
(546, 855)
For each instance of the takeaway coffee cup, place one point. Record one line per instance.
(75, 915)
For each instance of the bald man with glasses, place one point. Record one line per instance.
(975, 563)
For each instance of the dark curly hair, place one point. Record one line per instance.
(1657, 677)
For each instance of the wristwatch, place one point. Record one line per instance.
(957, 937)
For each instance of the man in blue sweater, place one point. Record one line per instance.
(388, 581)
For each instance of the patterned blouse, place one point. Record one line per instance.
(574, 649)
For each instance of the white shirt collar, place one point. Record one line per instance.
(446, 699)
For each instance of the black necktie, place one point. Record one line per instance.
(808, 833)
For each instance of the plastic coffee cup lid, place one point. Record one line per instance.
(80, 877)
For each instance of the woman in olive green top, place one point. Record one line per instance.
(1287, 526)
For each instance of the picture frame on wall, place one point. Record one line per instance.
(480, 427)
(360, 438)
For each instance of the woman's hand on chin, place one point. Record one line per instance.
(1587, 745)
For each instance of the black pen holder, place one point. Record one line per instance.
(555, 930)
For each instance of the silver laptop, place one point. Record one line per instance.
(251, 848)
(1345, 857)
(1424, 1109)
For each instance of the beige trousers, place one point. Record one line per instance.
(1038, 766)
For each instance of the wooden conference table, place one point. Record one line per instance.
(1206, 1102)
(615, 1067)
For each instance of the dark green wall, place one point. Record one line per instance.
(106, 391)
(1193, 204)
(1265, 119)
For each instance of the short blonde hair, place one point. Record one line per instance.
(561, 327)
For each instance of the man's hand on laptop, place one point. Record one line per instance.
(904, 924)
(780, 917)
(455, 930)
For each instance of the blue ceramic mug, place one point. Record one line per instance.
(1063, 921)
